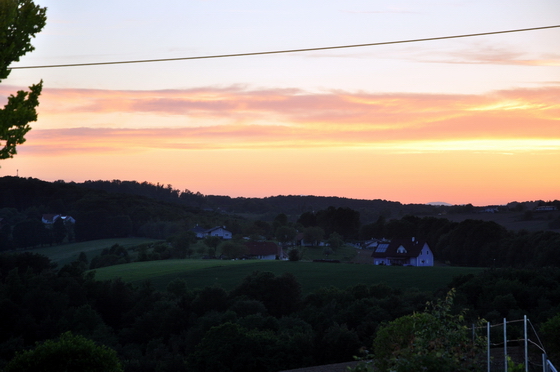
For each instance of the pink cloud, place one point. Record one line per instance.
(241, 118)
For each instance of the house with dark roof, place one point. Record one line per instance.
(403, 252)
(219, 231)
(50, 219)
(263, 250)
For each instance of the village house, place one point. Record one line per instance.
(264, 250)
(50, 219)
(219, 231)
(403, 252)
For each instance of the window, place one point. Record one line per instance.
(382, 248)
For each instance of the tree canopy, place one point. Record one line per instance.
(68, 353)
(20, 21)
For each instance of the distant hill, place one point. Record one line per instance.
(265, 208)
(440, 203)
(144, 201)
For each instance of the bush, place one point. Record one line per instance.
(433, 340)
(68, 353)
(294, 255)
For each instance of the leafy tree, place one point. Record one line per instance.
(307, 219)
(294, 254)
(20, 20)
(338, 344)
(335, 241)
(212, 242)
(280, 220)
(59, 231)
(285, 234)
(233, 249)
(68, 353)
(231, 347)
(313, 235)
(30, 233)
(115, 255)
(551, 333)
(281, 295)
(434, 340)
(182, 244)
(344, 221)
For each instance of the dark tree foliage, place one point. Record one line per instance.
(343, 221)
(230, 347)
(67, 353)
(280, 295)
(510, 293)
(115, 255)
(20, 21)
(30, 233)
(268, 323)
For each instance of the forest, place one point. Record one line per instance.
(265, 323)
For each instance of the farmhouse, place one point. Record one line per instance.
(219, 231)
(50, 219)
(264, 250)
(403, 252)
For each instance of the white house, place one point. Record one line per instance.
(400, 252)
(50, 219)
(219, 231)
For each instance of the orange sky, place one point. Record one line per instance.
(488, 148)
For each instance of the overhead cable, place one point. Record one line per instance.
(284, 51)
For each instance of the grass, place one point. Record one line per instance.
(228, 274)
(66, 253)
(317, 253)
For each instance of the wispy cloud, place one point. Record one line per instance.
(243, 118)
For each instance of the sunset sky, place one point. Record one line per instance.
(469, 120)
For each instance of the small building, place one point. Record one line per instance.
(403, 252)
(50, 219)
(546, 208)
(264, 250)
(219, 231)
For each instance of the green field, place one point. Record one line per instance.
(66, 253)
(228, 274)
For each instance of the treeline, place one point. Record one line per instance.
(98, 214)
(268, 206)
(265, 323)
(473, 243)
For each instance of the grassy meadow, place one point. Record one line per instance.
(228, 274)
(66, 253)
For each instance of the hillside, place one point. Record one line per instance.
(311, 275)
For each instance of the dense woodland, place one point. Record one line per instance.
(251, 328)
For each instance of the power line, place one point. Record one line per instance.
(285, 51)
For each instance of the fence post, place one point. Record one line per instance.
(526, 343)
(488, 342)
(505, 347)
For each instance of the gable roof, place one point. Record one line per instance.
(401, 247)
(216, 228)
(262, 248)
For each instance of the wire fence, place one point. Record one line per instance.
(513, 346)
